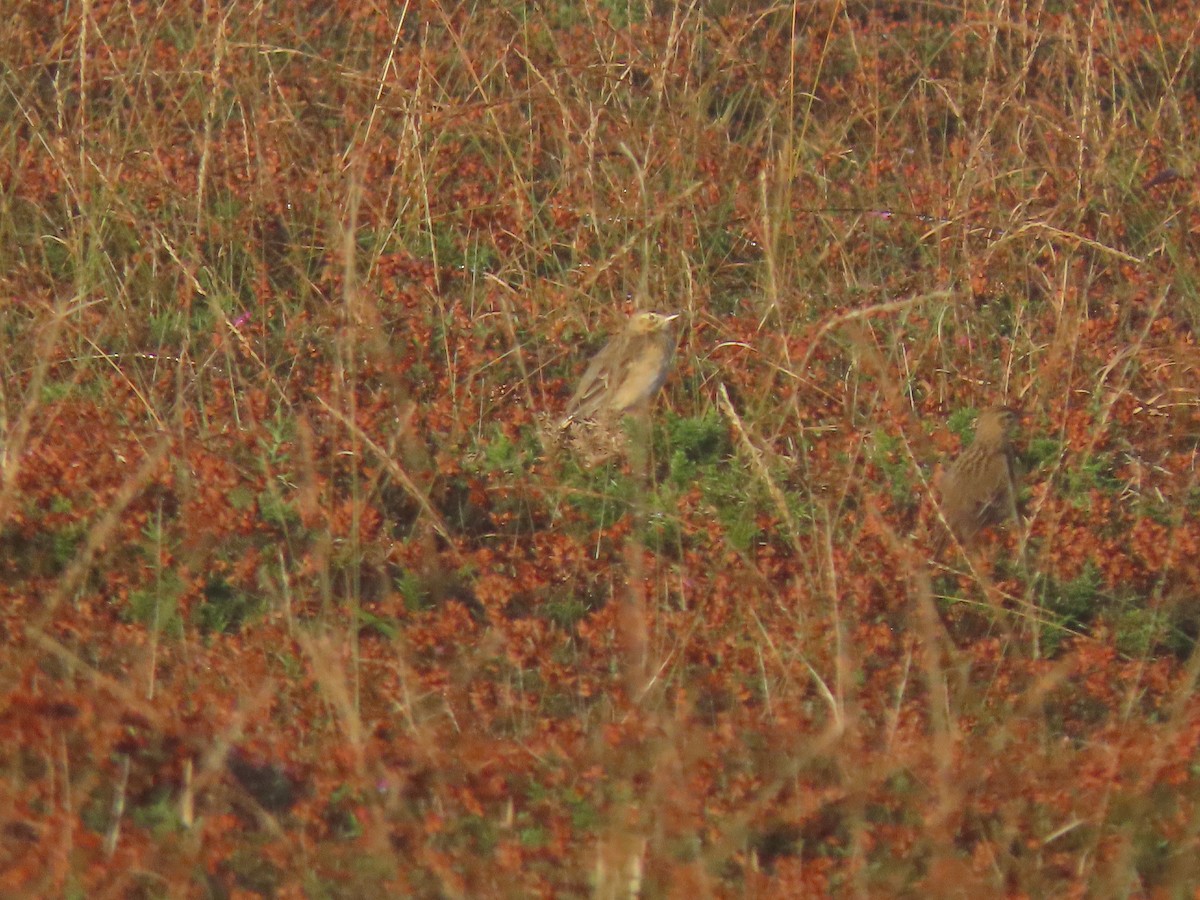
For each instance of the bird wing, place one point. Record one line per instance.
(596, 381)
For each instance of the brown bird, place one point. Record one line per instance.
(627, 372)
(980, 487)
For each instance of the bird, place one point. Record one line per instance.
(980, 486)
(628, 372)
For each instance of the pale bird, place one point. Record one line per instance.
(628, 372)
(980, 487)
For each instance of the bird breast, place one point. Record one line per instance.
(645, 371)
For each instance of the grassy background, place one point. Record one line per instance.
(296, 599)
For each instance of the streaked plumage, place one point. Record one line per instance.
(628, 372)
(980, 487)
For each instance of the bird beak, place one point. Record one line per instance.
(671, 318)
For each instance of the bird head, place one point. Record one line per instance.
(997, 424)
(650, 322)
